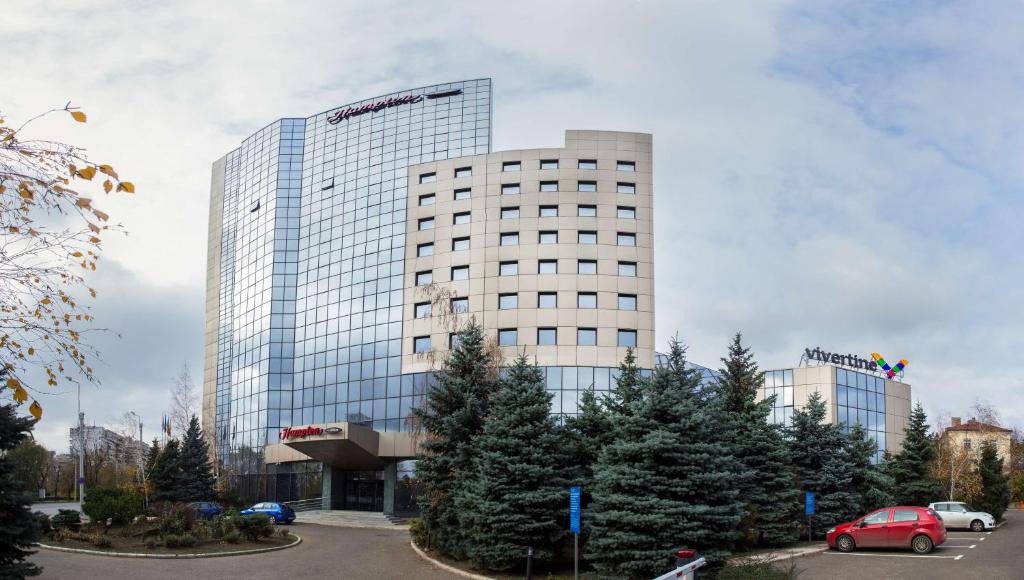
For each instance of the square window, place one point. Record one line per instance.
(510, 189)
(460, 305)
(463, 193)
(428, 199)
(509, 213)
(423, 310)
(460, 218)
(508, 301)
(460, 273)
(547, 336)
(511, 166)
(547, 266)
(586, 267)
(627, 337)
(586, 336)
(587, 164)
(549, 186)
(623, 187)
(587, 237)
(454, 340)
(510, 239)
(425, 249)
(586, 186)
(627, 301)
(428, 177)
(459, 244)
(627, 269)
(586, 300)
(508, 337)
(626, 212)
(586, 210)
(626, 239)
(625, 165)
(547, 300)
(463, 171)
(508, 269)
(421, 344)
(424, 278)
(426, 224)
(548, 211)
(549, 164)
(548, 238)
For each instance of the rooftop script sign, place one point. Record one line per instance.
(342, 114)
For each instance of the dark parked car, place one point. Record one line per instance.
(917, 528)
(206, 509)
(281, 513)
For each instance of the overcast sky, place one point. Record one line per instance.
(837, 174)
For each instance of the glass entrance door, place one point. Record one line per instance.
(364, 491)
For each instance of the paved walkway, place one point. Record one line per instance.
(50, 508)
(325, 552)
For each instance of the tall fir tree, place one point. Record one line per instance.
(513, 499)
(666, 480)
(628, 386)
(871, 483)
(772, 511)
(452, 416)
(913, 481)
(197, 473)
(821, 458)
(151, 457)
(18, 527)
(167, 478)
(995, 485)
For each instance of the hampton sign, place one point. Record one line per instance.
(876, 363)
(342, 114)
(300, 432)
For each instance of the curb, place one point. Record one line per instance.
(298, 540)
(446, 567)
(783, 556)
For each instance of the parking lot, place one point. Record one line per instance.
(965, 554)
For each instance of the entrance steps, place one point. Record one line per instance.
(351, 519)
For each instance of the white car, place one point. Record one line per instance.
(957, 514)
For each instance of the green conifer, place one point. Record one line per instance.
(995, 485)
(628, 386)
(871, 483)
(913, 481)
(197, 473)
(19, 529)
(167, 479)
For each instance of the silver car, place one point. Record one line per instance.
(957, 514)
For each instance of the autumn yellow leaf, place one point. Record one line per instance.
(31, 351)
(20, 395)
(77, 254)
(78, 116)
(108, 170)
(13, 383)
(83, 202)
(94, 228)
(36, 410)
(101, 215)
(25, 193)
(107, 185)
(45, 300)
(87, 172)
(126, 186)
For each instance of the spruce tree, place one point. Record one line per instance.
(453, 414)
(151, 457)
(628, 386)
(871, 483)
(19, 529)
(515, 495)
(772, 511)
(167, 478)
(821, 459)
(913, 481)
(197, 474)
(995, 485)
(664, 481)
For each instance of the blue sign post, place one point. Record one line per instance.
(574, 527)
(809, 511)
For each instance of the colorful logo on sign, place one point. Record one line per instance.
(890, 371)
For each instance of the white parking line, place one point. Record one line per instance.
(971, 547)
(894, 555)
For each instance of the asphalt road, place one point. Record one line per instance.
(50, 508)
(996, 555)
(325, 552)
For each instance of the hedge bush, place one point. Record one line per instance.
(105, 504)
(254, 527)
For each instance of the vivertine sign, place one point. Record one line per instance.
(852, 360)
(342, 114)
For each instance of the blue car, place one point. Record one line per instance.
(206, 509)
(281, 513)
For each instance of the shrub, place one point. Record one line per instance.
(151, 543)
(254, 527)
(757, 569)
(66, 519)
(232, 537)
(202, 529)
(284, 533)
(182, 541)
(176, 519)
(105, 504)
(44, 522)
(171, 540)
(418, 532)
(103, 542)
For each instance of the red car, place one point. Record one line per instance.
(918, 528)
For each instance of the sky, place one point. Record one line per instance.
(838, 174)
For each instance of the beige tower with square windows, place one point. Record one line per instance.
(550, 250)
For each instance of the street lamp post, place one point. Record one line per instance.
(81, 449)
(142, 462)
